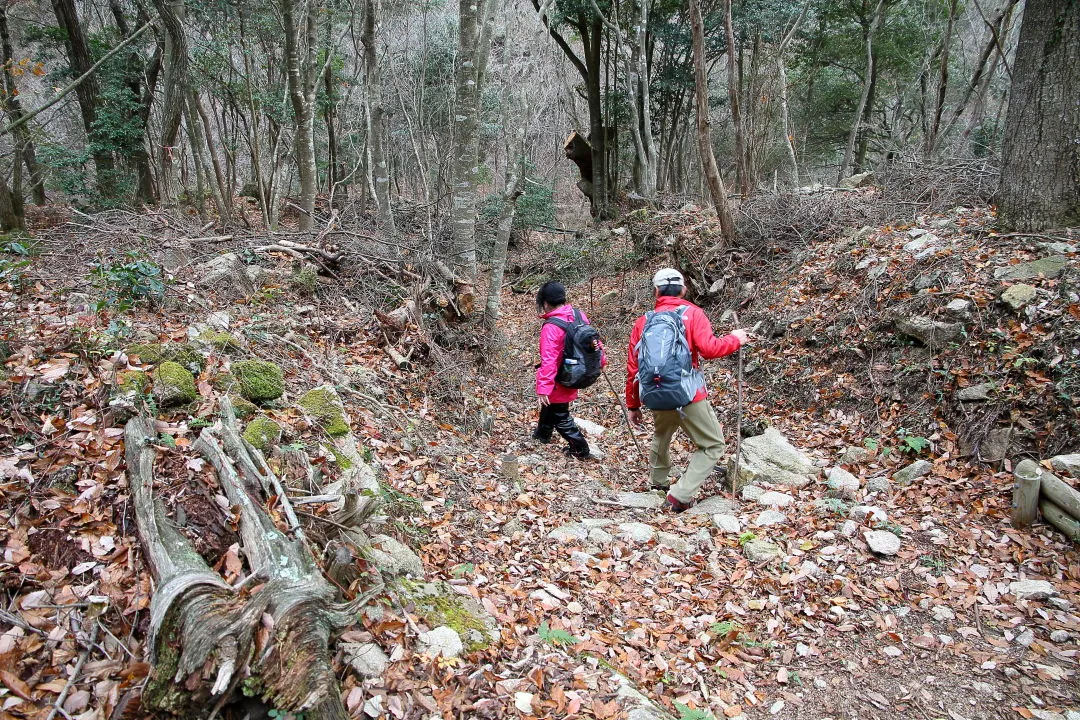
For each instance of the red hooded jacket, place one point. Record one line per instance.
(552, 343)
(699, 335)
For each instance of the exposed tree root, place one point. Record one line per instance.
(206, 637)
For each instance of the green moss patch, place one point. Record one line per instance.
(262, 432)
(305, 280)
(174, 384)
(258, 380)
(185, 354)
(324, 407)
(149, 353)
(132, 381)
(438, 604)
(220, 341)
(243, 408)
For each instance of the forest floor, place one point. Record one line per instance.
(827, 630)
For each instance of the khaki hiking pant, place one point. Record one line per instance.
(698, 421)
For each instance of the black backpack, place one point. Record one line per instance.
(582, 352)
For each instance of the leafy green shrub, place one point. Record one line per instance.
(128, 281)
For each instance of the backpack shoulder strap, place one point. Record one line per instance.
(558, 323)
(578, 320)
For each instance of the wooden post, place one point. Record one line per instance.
(1056, 491)
(1060, 519)
(1025, 505)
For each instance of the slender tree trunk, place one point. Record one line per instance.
(379, 173)
(943, 80)
(21, 136)
(733, 98)
(11, 210)
(597, 129)
(1040, 182)
(300, 49)
(223, 193)
(864, 123)
(704, 133)
(133, 77)
(175, 64)
(87, 92)
(640, 101)
(867, 89)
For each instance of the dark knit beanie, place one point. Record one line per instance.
(552, 293)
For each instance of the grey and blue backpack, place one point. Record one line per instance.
(667, 379)
(583, 353)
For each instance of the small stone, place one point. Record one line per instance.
(645, 501)
(583, 558)
(596, 522)
(809, 568)
(1025, 638)
(995, 447)
(1017, 296)
(775, 499)
(980, 571)
(912, 472)
(761, 551)
(882, 542)
(1060, 603)
(878, 484)
(727, 523)
(930, 332)
(636, 531)
(523, 701)
(442, 641)
(769, 517)
(752, 492)
(959, 309)
(512, 526)
(1032, 589)
(975, 393)
(367, 659)
(849, 528)
(573, 531)
(853, 455)
(1049, 267)
(942, 613)
(589, 427)
(860, 513)
(1060, 636)
(892, 651)
(393, 557)
(802, 650)
(674, 542)
(833, 506)
(842, 484)
(712, 506)
(600, 537)
(755, 604)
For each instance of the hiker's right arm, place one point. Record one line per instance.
(704, 342)
(633, 401)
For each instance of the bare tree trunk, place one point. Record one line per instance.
(640, 101)
(300, 49)
(742, 178)
(175, 63)
(1040, 185)
(704, 133)
(867, 89)
(11, 206)
(223, 193)
(377, 168)
(24, 146)
(943, 80)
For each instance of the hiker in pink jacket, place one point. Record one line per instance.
(554, 399)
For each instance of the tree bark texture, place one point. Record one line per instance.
(175, 66)
(377, 168)
(87, 92)
(300, 49)
(742, 171)
(704, 132)
(1040, 153)
(869, 75)
(21, 135)
(466, 167)
(640, 102)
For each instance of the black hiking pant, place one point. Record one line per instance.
(556, 416)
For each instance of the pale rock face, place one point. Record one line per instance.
(1032, 589)
(770, 458)
(442, 641)
(882, 542)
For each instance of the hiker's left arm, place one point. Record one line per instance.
(705, 342)
(550, 353)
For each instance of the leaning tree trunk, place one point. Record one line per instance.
(175, 65)
(867, 89)
(704, 133)
(300, 70)
(1040, 152)
(204, 634)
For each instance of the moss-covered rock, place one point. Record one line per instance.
(305, 280)
(220, 341)
(185, 354)
(438, 604)
(262, 432)
(243, 408)
(258, 380)
(132, 381)
(174, 384)
(149, 353)
(324, 407)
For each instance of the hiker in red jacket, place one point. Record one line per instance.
(697, 417)
(554, 399)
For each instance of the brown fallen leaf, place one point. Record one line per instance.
(16, 685)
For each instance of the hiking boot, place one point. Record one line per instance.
(541, 439)
(675, 506)
(663, 485)
(578, 455)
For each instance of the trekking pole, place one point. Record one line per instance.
(626, 415)
(738, 416)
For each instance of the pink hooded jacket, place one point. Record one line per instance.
(552, 340)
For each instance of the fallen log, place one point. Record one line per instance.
(1058, 492)
(207, 638)
(1060, 519)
